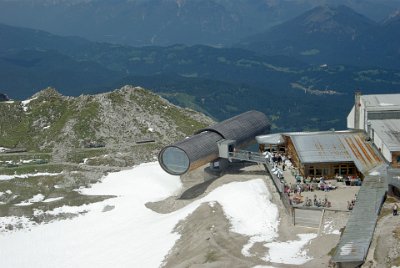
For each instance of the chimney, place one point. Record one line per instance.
(357, 109)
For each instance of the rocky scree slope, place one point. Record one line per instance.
(116, 125)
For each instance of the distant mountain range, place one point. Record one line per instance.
(333, 35)
(220, 82)
(167, 22)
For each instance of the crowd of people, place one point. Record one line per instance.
(317, 202)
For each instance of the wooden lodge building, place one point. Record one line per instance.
(325, 154)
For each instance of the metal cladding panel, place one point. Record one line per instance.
(242, 128)
(389, 131)
(200, 145)
(199, 150)
(381, 102)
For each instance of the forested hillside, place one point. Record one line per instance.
(220, 82)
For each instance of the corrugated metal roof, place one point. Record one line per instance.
(320, 148)
(242, 127)
(389, 131)
(200, 145)
(381, 101)
(361, 152)
(334, 147)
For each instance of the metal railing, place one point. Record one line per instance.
(247, 156)
(261, 159)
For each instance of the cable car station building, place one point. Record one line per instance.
(213, 144)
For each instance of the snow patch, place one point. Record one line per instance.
(131, 235)
(48, 200)
(25, 176)
(3, 149)
(34, 199)
(330, 229)
(25, 104)
(375, 173)
(290, 252)
(9, 224)
(68, 210)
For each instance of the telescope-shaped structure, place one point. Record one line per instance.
(202, 147)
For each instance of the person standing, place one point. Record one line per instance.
(394, 209)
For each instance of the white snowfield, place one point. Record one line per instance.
(25, 104)
(131, 235)
(25, 176)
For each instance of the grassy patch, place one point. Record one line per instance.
(332, 251)
(391, 200)
(396, 262)
(43, 121)
(87, 121)
(25, 156)
(396, 233)
(116, 98)
(150, 101)
(211, 256)
(78, 155)
(50, 168)
(384, 212)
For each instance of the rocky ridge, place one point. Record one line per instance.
(58, 145)
(116, 121)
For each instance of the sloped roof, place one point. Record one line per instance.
(334, 147)
(270, 139)
(381, 102)
(242, 127)
(389, 131)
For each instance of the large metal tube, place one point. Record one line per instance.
(202, 147)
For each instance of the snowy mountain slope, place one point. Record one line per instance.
(122, 232)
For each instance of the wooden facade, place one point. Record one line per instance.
(395, 159)
(330, 170)
(327, 170)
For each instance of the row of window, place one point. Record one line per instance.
(331, 170)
